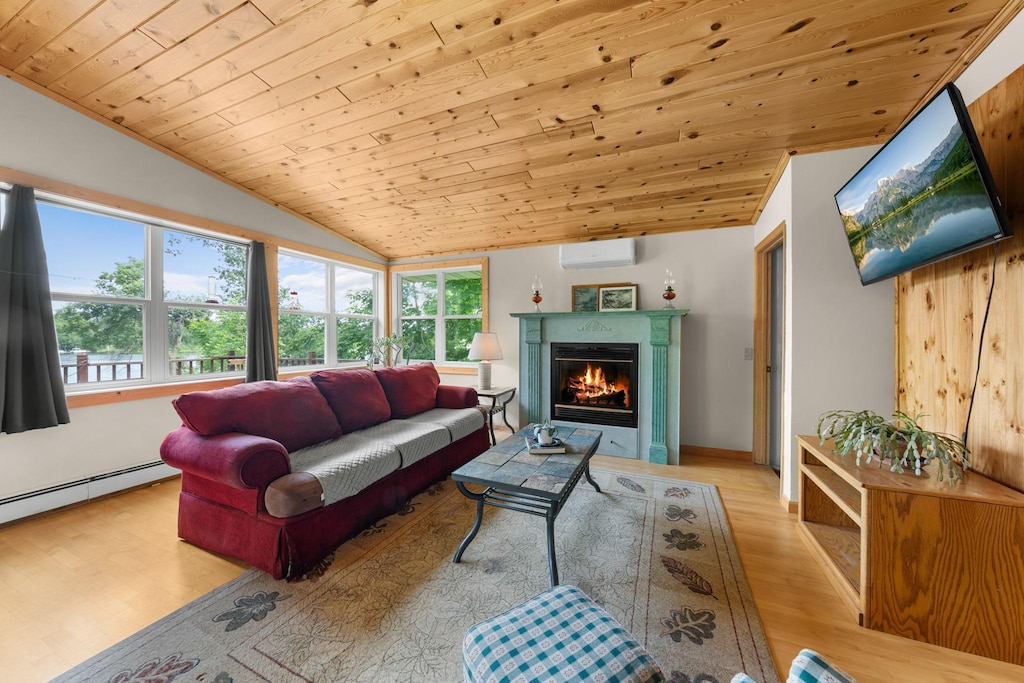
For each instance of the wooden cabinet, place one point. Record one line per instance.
(915, 557)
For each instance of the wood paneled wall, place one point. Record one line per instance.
(940, 310)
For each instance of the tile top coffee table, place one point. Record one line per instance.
(535, 484)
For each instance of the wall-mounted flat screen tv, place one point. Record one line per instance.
(926, 195)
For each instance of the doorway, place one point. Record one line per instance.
(769, 342)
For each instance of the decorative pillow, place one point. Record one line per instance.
(355, 396)
(293, 413)
(410, 389)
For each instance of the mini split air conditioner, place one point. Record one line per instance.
(602, 254)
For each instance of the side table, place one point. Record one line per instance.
(503, 394)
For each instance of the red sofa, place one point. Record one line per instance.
(280, 473)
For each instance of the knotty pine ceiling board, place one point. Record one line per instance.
(433, 127)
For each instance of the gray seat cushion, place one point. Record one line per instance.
(347, 465)
(414, 440)
(460, 422)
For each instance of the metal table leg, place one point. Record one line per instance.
(586, 473)
(490, 418)
(552, 564)
(479, 498)
(504, 411)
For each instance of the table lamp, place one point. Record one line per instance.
(485, 348)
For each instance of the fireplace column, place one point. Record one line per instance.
(658, 452)
(533, 338)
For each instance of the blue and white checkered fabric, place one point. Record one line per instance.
(560, 635)
(810, 667)
(742, 678)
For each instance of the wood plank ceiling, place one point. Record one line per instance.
(426, 127)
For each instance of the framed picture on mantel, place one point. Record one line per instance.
(616, 298)
(584, 297)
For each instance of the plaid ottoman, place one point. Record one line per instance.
(560, 635)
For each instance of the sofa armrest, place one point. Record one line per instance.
(235, 459)
(456, 397)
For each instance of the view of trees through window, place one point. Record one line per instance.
(441, 328)
(99, 269)
(326, 312)
(137, 300)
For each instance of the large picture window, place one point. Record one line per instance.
(327, 311)
(138, 301)
(439, 311)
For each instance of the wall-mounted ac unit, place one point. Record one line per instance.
(602, 254)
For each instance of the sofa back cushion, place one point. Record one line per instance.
(355, 396)
(410, 389)
(293, 413)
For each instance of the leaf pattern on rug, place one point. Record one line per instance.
(677, 492)
(696, 625)
(223, 677)
(674, 513)
(157, 671)
(630, 485)
(410, 507)
(680, 541)
(375, 528)
(686, 576)
(250, 608)
(315, 572)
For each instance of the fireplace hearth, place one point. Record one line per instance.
(595, 383)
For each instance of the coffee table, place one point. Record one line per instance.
(535, 484)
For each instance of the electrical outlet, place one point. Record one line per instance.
(748, 354)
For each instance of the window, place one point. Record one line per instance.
(139, 301)
(439, 311)
(327, 311)
(204, 283)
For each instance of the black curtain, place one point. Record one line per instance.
(31, 387)
(260, 363)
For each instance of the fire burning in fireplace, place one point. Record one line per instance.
(593, 388)
(595, 383)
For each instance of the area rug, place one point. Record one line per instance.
(656, 553)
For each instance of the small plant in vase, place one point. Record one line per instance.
(898, 441)
(387, 351)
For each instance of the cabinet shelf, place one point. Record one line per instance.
(836, 488)
(911, 555)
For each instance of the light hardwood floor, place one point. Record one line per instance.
(76, 581)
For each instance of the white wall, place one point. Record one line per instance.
(841, 333)
(41, 137)
(713, 279)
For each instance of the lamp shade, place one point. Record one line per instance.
(485, 346)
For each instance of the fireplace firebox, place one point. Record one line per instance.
(595, 383)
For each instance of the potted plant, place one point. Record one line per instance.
(899, 441)
(387, 351)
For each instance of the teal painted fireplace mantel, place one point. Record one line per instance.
(659, 335)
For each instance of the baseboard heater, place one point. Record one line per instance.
(54, 497)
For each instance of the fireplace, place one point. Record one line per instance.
(595, 383)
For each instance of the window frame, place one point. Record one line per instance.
(330, 313)
(156, 368)
(397, 272)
